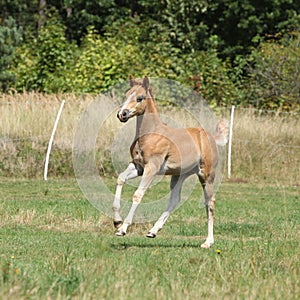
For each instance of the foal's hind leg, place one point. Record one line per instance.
(130, 173)
(175, 185)
(210, 210)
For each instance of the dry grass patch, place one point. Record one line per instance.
(266, 146)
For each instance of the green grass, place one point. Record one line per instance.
(55, 245)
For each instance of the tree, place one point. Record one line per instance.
(10, 36)
(25, 14)
(42, 13)
(241, 24)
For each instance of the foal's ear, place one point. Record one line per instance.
(146, 83)
(132, 81)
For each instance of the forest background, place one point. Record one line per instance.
(234, 52)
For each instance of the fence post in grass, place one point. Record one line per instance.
(230, 140)
(51, 139)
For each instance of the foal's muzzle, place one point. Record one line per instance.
(123, 115)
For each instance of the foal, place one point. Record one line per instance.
(159, 149)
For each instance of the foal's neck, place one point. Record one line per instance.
(151, 107)
(149, 122)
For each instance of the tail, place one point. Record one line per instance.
(221, 136)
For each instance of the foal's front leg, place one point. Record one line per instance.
(150, 171)
(130, 173)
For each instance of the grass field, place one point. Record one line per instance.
(55, 245)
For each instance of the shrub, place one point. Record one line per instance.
(45, 64)
(274, 79)
(211, 77)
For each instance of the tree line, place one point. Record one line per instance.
(242, 52)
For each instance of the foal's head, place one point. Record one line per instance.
(136, 97)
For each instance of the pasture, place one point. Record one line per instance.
(55, 245)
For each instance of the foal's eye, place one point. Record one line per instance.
(140, 98)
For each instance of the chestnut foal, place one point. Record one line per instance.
(159, 149)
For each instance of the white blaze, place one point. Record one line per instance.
(128, 101)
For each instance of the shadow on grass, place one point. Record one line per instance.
(155, 243)
(224, 232)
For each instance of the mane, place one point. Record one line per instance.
(151, 93)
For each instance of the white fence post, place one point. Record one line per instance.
(51, 140)
(230, 140)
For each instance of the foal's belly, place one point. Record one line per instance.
(171, 168)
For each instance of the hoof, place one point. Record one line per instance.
(151, 235)
(120, 233)
(117, 223)
(206, 245)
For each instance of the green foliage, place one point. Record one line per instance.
(183, 20)
(238, 24)
(24, 12)
(211, 78)
(55, 55)
(274, 79)
(103, 62)
(10, 36)
(25, 68)
(241, 24)
(79, 15)
(45, 63)
(181, 40)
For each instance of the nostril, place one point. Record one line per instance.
(123, 115)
